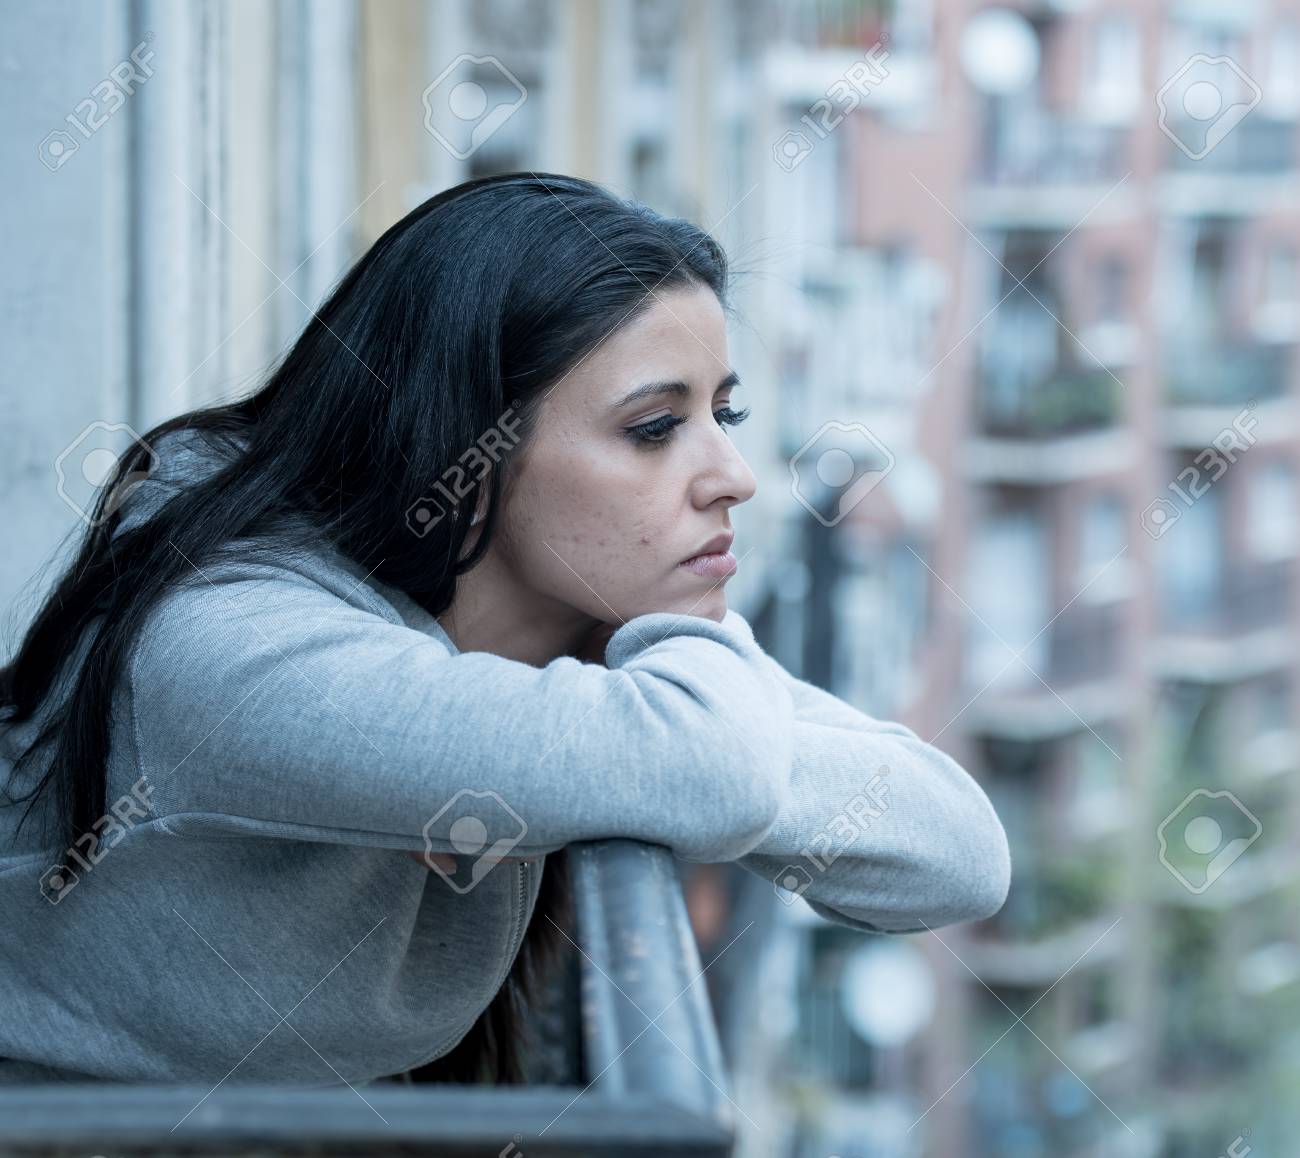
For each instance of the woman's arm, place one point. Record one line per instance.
(263, 703)
(884, 832)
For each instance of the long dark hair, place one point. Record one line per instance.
(465, 310)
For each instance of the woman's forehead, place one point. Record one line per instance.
(680, 337)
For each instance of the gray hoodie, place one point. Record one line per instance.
(286, 733)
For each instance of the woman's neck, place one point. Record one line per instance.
(492, 611)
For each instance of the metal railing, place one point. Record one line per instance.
(1086, 642)
(1225, 373)
(1064, 402)
(1247, 598)
(651, 1065)
(1258, 147)
(1036, 148)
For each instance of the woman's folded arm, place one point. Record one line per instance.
(883, 832)
(264, 703)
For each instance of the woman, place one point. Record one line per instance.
(340, 670)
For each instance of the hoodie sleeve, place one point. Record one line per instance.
(263, 703)
(884, 833)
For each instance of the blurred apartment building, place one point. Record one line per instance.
(1106, 591)
(1043, 309)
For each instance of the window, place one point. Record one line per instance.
(1099, 997)
(1277, 318)
(1270, 525)
(1112, 289)
(1009, 591)
(1281, 94)
(1114, 69)
(650, 176)
(1098, 805)
(1190, 562)
(656, 28)
(879, 615)
(1280, 275)
(1272, 704)
(1103, 570)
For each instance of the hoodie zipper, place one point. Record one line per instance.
(516, 938)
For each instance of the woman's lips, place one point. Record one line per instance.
(715, 565)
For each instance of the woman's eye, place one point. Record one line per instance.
(729, 417)
(655, 432)
(658, 431)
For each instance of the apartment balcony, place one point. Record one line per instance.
(1016, 1103)
(1198, 1043)
(1258, 146)
(1063, 427)
(1044, 149)
(1225, 374)
(1030, 153)
(1243, 385)
(1245, 174)
(1206, 1058)
(1233, 631)
(1031, 951)
(649, 1074)
(1257, 873)
(1079, 685)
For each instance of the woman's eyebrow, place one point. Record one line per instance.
(681, 389)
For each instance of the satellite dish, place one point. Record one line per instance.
(999, 51)
(888, 992)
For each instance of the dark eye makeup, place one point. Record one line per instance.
(658, 431)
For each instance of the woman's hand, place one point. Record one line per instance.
(443, 860)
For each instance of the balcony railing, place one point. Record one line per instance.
(1085, 643)
(651, 1065)
(1247, 599)
(1065, 402)
(1042, 149)
(1257, 147)
(1051, 893)
(1225, 374)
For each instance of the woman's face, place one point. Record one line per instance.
(599, 514)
